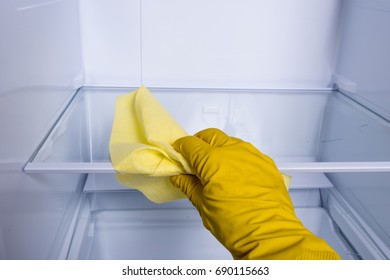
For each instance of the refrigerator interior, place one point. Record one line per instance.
(310, 89)
(117, 222)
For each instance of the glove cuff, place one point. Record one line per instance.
(318, 255)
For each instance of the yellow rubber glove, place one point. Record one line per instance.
(243, 201)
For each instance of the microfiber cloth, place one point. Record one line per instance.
(141, 147)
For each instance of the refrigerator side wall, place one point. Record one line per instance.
(363, 67)
(40, 67)
(350, 131)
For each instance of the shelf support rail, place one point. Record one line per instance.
(106, 167)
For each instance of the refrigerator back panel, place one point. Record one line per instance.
(217, 44)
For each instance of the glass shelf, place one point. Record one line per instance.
(78, 142)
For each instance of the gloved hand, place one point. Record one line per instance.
(243, 201)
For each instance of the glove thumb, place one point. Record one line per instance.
(191, 186)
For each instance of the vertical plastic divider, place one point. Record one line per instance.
(141, 43)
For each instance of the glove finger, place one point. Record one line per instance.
(191, 187)
(216, 137)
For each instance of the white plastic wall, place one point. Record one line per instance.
(363, 67)
(362, 72)
(110, 36)
(352, 133)
(40, 64)
(202, 43)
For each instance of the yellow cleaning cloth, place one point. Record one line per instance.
(141, 147)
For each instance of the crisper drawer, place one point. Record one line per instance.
(125, 225)
(116, 222)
